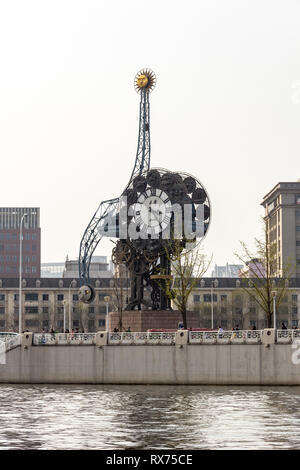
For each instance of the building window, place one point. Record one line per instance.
(2, 310)
(34, 236)
(45, 323)
(207, 297)
(27, 236)
(75, 323)
(45, 297)
(223, 310)
(31, 323)
(238, 311)
(60, 323)
(31, 309)
(91, 324)
(60, 297)
(102, 309)
(27, 269)
(294, 310)
(294, 298)
(32, 297)
(252, 310)
(91, 310)
(16, 297)
(33, 247)
(2, 297)
(196, 298)
(298, 261)
(252, 322)
(223, 297)
(33, 258)
(298, 243)
(75, 297)
(295, 323)
(101, 323)
(297, 228)
(33, 269)
(45, 309)
(60, 310)
(297, 213)
(2, 323)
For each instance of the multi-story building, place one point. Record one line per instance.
(44, 302)
(229, 270)
(10, 219)
(282, 215)
(99, 268)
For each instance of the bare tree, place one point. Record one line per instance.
(187, 268)
(262, 266)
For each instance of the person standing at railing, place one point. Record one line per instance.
(220, 332)
(253, 327)
(283, 327)
(128, 330)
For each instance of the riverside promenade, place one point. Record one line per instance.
(262, 357)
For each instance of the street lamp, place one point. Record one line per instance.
(20, 275)
(70, 322)
(106, 299)
(212, 305)
(274, 293)
(64, 303)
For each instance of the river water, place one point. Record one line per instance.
(148, 417)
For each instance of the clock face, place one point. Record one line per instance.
(153, 211)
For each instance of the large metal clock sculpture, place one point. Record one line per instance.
(156, 207)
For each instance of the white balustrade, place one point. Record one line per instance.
(11, 340)
(150, 337)
(287, 336)
(62, 339)
(225, 337)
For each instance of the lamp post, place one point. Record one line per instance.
(274, 293)
(20, 275)
(212, 305)
(70, 322)
(64, 303)
(106, 300)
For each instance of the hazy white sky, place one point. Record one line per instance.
(226, 107)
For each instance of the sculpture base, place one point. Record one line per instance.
(143, 320)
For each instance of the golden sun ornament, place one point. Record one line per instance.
(145, 80)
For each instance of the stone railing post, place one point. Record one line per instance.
(101, 338)
(26, 339)
(181, 337)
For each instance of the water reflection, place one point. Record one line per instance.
(148, 417)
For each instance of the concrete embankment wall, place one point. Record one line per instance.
(189, 364)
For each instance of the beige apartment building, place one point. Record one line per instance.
(230, 305)
(282, 214)
(45, 300)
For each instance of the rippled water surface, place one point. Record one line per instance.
(148, 417)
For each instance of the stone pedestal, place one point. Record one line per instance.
(143, 320)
